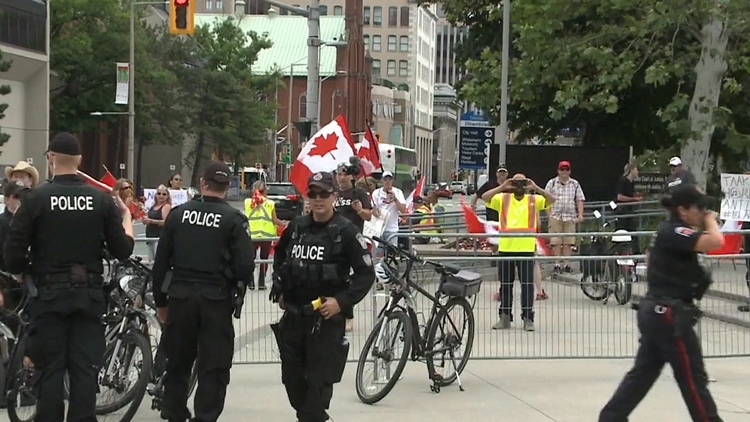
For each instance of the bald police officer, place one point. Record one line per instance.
(204, 250)
(57, 235)
(312, 263)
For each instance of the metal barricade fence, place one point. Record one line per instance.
(567, 325)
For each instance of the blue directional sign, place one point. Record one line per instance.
(474, 139)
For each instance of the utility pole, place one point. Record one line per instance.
(503, 141)
(131, 98)
(313, 64)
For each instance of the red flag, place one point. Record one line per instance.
(732, 241)
(474, 224)
(418, 191)
(369, 153)
(109, 179)
(95, 183)
(326, 149)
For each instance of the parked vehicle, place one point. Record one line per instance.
(289, 203)
(459, 187)
(603, 278)
(443, 191)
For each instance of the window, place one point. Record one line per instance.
(209, 4)
(391, 68)
(219, 4)
(403, 68)
(405, 16)
(376, 68)
(366, 16)
(377, 16)
(338, 10)
(392, 16)
(283, 11)
(391, 43)
(302, 106)
(366, 40)
(376, 44)
(404, 43)
(323, 10)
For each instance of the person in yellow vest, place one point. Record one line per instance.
(262, 221)
(425, 220)
(518, 202)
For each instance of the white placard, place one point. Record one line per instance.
(375, 226)
(123, 83)
(179, 197)
(736, 202)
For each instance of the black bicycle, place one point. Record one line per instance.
(437, 344)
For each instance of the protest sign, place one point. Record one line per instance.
(179, 197)
(735, 205)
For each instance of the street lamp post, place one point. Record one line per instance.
(504, 83)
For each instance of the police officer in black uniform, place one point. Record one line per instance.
(57, 236)
(667, 314)
(312, 283)
(204, 251)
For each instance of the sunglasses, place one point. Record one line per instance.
(564, 169)
(177, 180)
(161, 194)
(315, 194)
(127, 187)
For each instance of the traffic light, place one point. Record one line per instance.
(182, 17)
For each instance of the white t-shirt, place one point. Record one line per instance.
(380, 200)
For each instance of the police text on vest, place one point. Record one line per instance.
(308, 252)
(72, 203)
(201, 218)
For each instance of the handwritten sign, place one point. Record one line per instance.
(179, 197)
(375, 226)
(650, 183)
(736, 202)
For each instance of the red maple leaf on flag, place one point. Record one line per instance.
(324, 145)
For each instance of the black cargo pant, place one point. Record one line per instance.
(67, 334)
(312, 360)
(200, 319)
(506, 272)
(660, 346)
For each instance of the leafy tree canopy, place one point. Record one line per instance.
(622, 70)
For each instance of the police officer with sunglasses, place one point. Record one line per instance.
(312, 284)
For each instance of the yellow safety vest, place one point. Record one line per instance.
(525, 221)
(260, 218)
(427, 220)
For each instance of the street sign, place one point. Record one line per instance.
(122, 166)
(172, 167)
(474, 140)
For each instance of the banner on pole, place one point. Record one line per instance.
(123, 83)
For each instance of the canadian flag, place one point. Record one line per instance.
(416, 192)
(323, 152)
(732, 241)
(477, 225)
(369, 153)
(105, 184)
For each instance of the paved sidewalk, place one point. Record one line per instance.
(513, 391)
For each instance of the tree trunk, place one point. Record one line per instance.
(197, 158)
(709, 73)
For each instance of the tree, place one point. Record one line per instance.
(4, 90)
(623, 71)
(220, 93)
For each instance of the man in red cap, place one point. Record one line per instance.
(565, 213)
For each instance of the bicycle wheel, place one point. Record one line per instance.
(122, 361)
(443, 340)
(624, 285)
(21, 395)
(385, 352)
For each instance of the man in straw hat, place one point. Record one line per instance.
(23, 173)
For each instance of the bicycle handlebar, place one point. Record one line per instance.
(439, 267)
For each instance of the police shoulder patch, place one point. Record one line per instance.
(684, 231)
(362, 241)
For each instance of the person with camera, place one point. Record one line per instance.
(389, 200)
(518, 202)
(667, 313)
(353, 203)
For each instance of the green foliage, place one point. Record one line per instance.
(622, 70)
(4, 90)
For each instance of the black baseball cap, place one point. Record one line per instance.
(501, 167)
(15, 189)
(321, 179)
(687, 196)
(217, 171)
(64, 143)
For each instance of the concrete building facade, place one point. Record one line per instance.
(24, 40)
(390, 115)
(447, 109)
